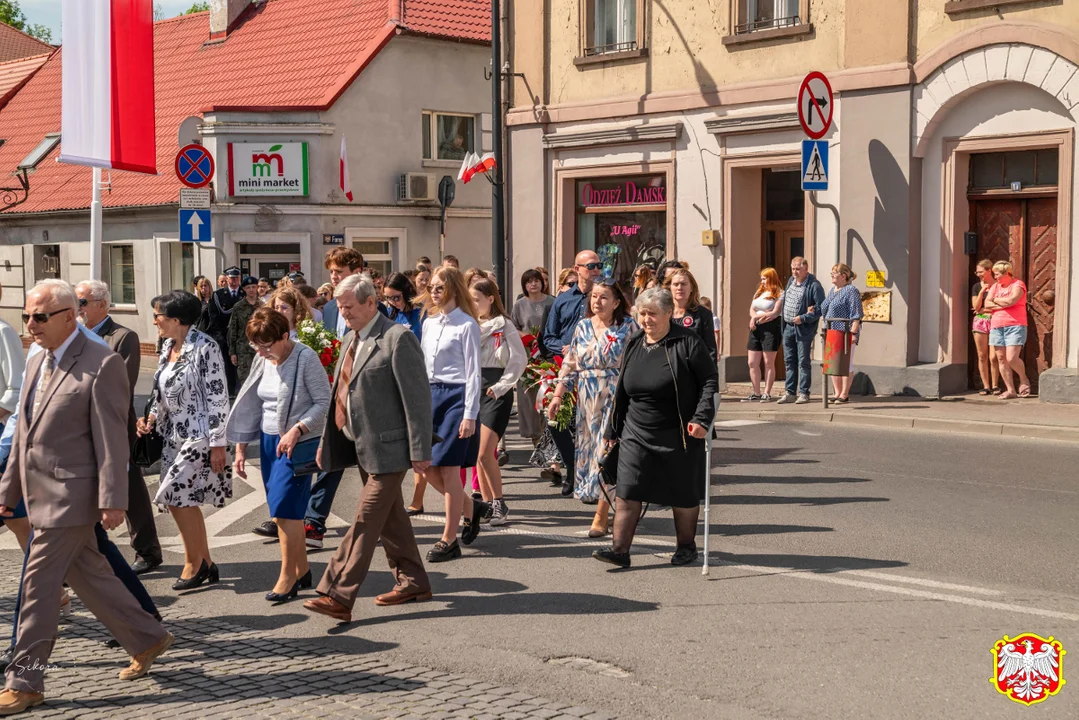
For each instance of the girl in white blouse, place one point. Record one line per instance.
(451, 349)
(502, 362)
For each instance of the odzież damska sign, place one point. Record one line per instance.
(268, 169)
(634, 191)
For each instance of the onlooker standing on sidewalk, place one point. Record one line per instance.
(239, 346)
(95, 299)
(1007, 300)
(379, 419)
(981, 326)
(566, 312)
(844, 302)
(765, 331)
(801, 314)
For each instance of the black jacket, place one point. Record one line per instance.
(696, 380)
(702, 325)
(220, 307)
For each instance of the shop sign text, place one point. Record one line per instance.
(628, 193)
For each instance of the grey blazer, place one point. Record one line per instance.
(69, 461)
(310, 397)
(389, 404)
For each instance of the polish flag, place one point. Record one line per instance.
(346, 184)
(475, 165)
(108, 85)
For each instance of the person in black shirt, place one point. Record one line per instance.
(688, 311)
(220, 312)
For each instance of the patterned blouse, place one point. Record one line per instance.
(192, 402)
(844, 302)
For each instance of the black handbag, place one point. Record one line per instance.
(304, 453)
(148, 448)
(608, 465)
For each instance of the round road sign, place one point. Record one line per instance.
(194, 166)
(815, 105)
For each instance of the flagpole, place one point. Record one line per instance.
(95, 227)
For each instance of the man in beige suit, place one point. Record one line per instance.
(69, 461)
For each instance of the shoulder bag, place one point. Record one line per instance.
(305, 452)
(148, 448)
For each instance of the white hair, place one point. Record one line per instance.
(656, 299)
(60, 291)
(97, 289)
(359, 284)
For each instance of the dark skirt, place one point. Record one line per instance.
(287, 495)
(654, 468)
(495, 412)
(448, 405)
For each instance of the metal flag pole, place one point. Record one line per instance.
(708, 484)
(95, 228)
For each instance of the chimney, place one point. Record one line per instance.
(223, 14)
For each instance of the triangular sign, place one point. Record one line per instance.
(814, 172)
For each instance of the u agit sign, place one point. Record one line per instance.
(268, 169)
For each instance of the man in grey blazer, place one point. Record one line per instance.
(69, 462)
(380, 419)
(95, 299)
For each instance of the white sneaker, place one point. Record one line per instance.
(803, 398)
(785, 399)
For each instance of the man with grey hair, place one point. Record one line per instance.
(95, 301)
(380, 419)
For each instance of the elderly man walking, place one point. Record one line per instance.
(95, 299)
(72, 420)
(381, 420)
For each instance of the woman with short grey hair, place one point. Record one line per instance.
(663, 406)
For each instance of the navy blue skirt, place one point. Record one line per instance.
(448, 404)
(286, 494)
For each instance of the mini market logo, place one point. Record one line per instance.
(268, 169)
(1028, 669)
(262, 164)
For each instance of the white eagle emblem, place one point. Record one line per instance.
(1027, 675)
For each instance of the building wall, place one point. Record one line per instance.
(934, 27)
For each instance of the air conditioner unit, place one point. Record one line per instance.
(417, 187)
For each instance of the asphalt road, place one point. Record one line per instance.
(857, 573)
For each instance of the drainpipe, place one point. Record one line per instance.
(498, 220)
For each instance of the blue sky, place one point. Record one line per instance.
(47, 12)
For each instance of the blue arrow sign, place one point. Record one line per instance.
(814, 165)
(195, 226)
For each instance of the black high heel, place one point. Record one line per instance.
(215, 575)
(206, 572)
(284, 597)
(306, 581)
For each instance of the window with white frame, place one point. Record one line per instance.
(122, 274)
(377, 253)
(612, 26)
(755, 15)
(447, 136)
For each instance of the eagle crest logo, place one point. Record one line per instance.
(1028, 669)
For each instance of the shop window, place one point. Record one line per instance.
(122, 274)
(447, 136)
(46, 262)
(999, 170)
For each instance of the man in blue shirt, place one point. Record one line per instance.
(567, 311)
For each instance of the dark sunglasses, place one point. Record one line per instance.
(41, 318)
(83, 302)
(592, 266)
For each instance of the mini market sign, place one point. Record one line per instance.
(268, 169)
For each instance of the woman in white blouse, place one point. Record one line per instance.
(451, 349)
(502, 362)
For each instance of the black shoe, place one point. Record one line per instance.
(442, 552)
(5, 659)
(479, 510)
(205, 573)
(477, 496)
(612, 557)
(414, 513)
(144, 565)
(503, 457)
(685, 554)
(284, 597)
(567, 488)
(590, 501)
(267, 529)
(305, 582)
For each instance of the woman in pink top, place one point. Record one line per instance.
(1007, 301)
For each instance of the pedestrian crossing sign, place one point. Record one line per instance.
(814, 165)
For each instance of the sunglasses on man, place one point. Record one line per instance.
(592, 266)
(41, 318)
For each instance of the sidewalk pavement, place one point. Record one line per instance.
(968, 413)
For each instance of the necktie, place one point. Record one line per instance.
(340, 415)
(46, 375)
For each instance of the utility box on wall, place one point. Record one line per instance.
(710, 238)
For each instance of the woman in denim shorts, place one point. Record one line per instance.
(1007, 301)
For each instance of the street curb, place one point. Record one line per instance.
(970, 427)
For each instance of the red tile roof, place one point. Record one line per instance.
(281, 55)
(15, 44)
(16, 72)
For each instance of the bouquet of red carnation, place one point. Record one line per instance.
(531, 343)
(543, 375)
(322, 341)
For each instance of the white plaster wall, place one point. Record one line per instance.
(1002, 109)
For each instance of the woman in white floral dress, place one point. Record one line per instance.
(190, 405)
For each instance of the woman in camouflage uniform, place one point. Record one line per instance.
(239, 346)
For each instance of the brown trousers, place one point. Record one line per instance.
(71, 553)
(381, 514)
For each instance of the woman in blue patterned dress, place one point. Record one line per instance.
(592, 364)
(844, 301)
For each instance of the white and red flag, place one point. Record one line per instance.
(475, 165)
(346, 184)
(108, 85)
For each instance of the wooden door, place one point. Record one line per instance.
(1022, 231)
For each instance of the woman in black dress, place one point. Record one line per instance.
(663, 406)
